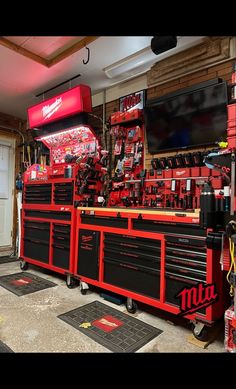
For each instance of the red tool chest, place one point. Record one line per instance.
(52, 193)
(148, 256)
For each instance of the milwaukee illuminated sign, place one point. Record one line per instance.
(49, 110)
(66, 104)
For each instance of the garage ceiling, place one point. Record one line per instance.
(32, 64)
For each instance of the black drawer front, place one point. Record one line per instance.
(132, 278)
(38, 188)
(48, 214)
(190, 253)
(183, 261)
(105, 221)
(136, 250)
(61, 256)
(62, 240)
(36, 250)
(187, 272)
(38, 194)
(40, 231)
(164, 227)
(151, 262)
(36, 224)
(132, 243)
(63, 193)
(37, 200)
(88, 253)
(186, 241)
(174, 285)
(63, 229)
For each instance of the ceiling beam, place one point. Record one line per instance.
(26, 53)
(71, 50)
(45, 62)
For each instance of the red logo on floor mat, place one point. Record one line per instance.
(107, 323)
(22, 281)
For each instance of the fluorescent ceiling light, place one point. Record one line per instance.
(140, 58)
(141, 61)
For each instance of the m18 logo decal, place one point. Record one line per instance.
(132, 101)
(196, 297)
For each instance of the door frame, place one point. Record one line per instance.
(10, 139)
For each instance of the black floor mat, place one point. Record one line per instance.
(4, 348)
(111, 328)
(8, 259)
(24, 283)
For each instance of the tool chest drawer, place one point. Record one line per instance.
(186, 271)
(61, 234)
(48, 214)
(63, 229)
(38, 194)
(174, 285)
(138, 279)
(135, 250)
(63, 193)
(189, 253)
(36, 250)
(37, 230)
(61, 256)
(108, 221)
(163, 227)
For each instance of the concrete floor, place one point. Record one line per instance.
(29, 323)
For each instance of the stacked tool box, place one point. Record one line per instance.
(73, 178)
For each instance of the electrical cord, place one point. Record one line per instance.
(232, 264)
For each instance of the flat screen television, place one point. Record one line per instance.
(190, 119)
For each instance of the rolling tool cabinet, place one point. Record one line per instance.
(47, 226)
(148, 256)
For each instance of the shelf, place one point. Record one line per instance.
(167, 179)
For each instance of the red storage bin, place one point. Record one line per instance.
(217, 183)
(231, 141)
(231, 123)
(232, 112)
(215, 173)
(182, 172)
(231, 131)
(195, 171)
(160, 173)
(168, 173)
(205, 171)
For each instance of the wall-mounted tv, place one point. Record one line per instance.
(190, 118)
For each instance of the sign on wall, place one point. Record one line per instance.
(133, 101)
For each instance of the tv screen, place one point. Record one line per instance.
(190, 119)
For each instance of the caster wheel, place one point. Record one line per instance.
(71, 283)
(131, 306)
(203, 335)
(83, 291)
(24, 265)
